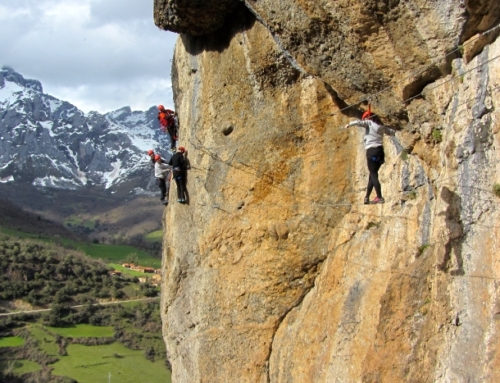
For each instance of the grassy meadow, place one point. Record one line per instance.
(155, 236)
(45, 341)
(90, 364)
(83, 331)
(119, 253)
(20, 367)
(11, 341)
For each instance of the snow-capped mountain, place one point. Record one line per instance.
(51, 143)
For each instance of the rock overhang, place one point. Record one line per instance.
(192, 17)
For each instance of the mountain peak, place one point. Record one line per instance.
(121, 113)
(9, 74)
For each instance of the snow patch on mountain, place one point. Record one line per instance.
(56, 182)
(9, 93)
(54, 104)
(7, 179)
(113, 175)
(48, 125)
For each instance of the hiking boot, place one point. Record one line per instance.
(366, 201)
(378, 200)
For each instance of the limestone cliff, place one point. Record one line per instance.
(275, 270)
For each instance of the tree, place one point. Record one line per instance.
(133, 258)
(56, 313)
(149, 354)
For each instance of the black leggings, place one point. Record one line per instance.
(179, 181)
(375, 157)
(163, 187)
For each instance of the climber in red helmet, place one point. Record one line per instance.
(169, 123)
(163, 174)
(152, 154)
(375, 157)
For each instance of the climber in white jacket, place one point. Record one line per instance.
(373, 140)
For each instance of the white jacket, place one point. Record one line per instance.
(374, 132)
(162, 170)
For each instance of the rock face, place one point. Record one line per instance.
(275, 270)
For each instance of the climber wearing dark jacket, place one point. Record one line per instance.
(375, 157)
(178, 164)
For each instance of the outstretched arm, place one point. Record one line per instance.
(363, 124)
(389, 131)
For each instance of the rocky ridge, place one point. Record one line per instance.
(276, 271)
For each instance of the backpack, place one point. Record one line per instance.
(166, 119)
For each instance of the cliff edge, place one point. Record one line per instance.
(275, 270)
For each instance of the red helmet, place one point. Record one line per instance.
(182, 149)
(157, 157)
(368, 113)
(150, 151)
(161, 107)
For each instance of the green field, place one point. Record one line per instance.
(83, 331)
(119, 253)
(16, 233)
(155, 236)
(46, 342)
(74, 221)
(20, 367)
(11, 341)
(90, 364)
(45, 238)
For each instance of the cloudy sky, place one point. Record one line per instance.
(97, 54)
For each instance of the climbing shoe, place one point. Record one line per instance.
(367, 201)
(378, 200)
(164, 202)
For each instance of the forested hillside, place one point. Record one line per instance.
(42, 274)
(75, 290)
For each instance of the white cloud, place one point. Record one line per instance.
(96, 54)
(143, 93)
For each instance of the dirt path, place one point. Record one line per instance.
(77, 306)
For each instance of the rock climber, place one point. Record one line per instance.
(178, 164)
(169, 123)
(375, 157)
(152, 155)
(163, 174)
